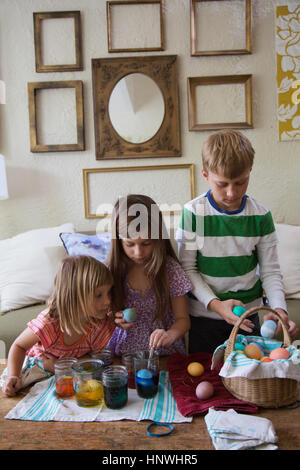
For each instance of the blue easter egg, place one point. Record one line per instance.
(268, 329)
(239, 346)
(238, 310)
(129, 314)
(144, 378)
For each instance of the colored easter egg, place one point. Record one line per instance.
(239, 310)
(195, 369)
(266, 359)
(253, 351)
(260, 347)
(239, 346)
(129, 314)
(279, 353)
(268, 329)
(204, 390)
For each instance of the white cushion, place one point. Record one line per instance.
(28, 265)
(289, 258)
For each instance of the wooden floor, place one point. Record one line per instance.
(126, 435)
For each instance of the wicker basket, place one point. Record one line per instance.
(267, 393)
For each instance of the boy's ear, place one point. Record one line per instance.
(204, 173)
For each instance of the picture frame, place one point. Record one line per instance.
(35, 146)
(89, 214)
(38, 18)
(193, 31)
(194, 82)
(123, 3)
(106, 74)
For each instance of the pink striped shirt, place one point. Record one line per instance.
(51, 338)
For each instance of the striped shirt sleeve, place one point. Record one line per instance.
(100, 334)
(44, 328)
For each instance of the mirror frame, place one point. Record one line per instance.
(106, 74)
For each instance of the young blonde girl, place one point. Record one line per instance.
(75, 323)
(147, 277)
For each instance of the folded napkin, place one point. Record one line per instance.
(239, 365)
(184, 386)
(233, 431)
(42, 404)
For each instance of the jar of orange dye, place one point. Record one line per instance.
(63, 377)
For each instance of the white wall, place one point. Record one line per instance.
(46, 188)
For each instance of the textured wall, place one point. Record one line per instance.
(46, 188)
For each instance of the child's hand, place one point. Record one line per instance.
(224, 309)
(11, 386)
(290, 325)
(119, 321)
(160, 338)
(48, 362)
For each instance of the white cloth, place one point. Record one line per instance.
(239, 365)
(42, 404)
(230, 430)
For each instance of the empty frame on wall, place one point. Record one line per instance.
(220, 101)
(72, 112)
(60, 39)
(138, 23)
(103, 186)
(206, 19)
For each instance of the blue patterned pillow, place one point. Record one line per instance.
(97, 246)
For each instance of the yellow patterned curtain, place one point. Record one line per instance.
(288, 70)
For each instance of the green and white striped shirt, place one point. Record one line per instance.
(229, 255)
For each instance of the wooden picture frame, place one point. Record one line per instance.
(193, 32)
(193, 82)
(109, 16)
(89, 171)
(35, 146)
(38, 18)
(106, 74)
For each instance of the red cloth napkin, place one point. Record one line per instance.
(184, 387)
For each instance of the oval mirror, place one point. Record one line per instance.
(136, 108)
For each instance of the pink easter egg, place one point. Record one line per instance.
(204, 390)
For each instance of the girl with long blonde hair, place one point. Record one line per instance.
(147, 277)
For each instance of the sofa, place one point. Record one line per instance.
(25, 297)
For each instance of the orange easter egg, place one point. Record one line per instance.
(195, 369)
(253, 352)
(266, 359)
(279, 353)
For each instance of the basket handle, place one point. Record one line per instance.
(232, 337)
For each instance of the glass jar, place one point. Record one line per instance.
(63, 376)
(115, 382)
(127, 361)
(87, 382)
(106, 355)
(146, 371)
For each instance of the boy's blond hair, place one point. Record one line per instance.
(228, 153)
(72, 300)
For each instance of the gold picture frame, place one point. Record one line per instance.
(88, 171)
(35, 146)
(193, 32)
(193, 82)
(106, 73)
(109, 15)
(38, 18)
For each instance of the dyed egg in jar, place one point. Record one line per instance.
(204, 390)
(253, 351)
(195, 369)
(129, 314)
(279, 353)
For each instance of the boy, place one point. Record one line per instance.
(223, 238)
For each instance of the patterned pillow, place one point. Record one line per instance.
(97, 245)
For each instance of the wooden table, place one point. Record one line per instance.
(126, 435)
